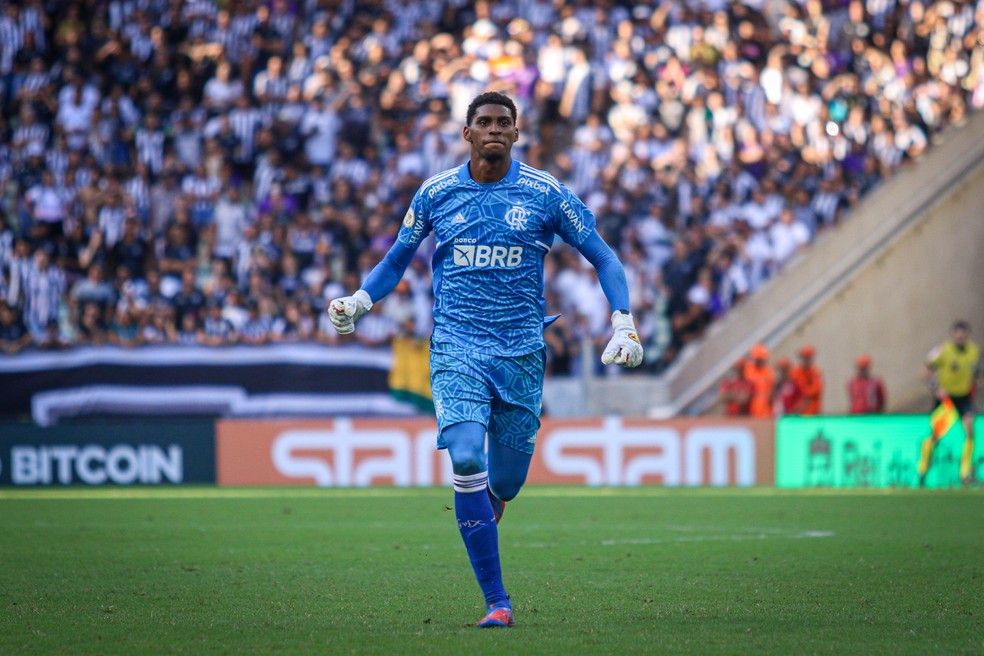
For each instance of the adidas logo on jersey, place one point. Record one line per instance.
(458, 218)
(483, 256)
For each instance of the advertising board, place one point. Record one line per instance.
(866, 451)
(600, 452)
(117, 453)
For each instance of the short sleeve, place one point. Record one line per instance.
(416, 222)
(570, 217)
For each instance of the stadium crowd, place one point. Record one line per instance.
(211, 172)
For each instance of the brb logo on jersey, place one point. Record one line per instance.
(467, 253)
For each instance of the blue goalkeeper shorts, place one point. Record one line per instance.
(502, 393)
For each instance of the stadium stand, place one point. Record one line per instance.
(210, 173)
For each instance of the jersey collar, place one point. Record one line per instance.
(464, 174)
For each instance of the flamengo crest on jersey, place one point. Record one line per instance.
(490, 240)
(516, 218)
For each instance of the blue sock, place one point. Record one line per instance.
(480, 534)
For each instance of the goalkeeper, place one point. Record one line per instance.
(494, 219)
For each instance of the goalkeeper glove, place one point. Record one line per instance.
(624, 348)
(345, 311)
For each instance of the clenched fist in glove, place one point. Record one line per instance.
(345, 311)
(624, 348)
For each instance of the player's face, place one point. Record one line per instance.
(492, 132)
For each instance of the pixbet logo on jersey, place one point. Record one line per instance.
(484, 256)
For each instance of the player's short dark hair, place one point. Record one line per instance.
(960, 324)
(491, 98)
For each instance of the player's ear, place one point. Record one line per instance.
(466, 134)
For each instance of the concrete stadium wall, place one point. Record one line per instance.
(887, 282)
(900, 305)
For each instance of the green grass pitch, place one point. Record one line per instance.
(382, 571)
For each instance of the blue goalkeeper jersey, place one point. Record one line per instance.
(488, 261)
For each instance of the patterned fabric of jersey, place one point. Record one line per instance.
(490, 244)
(500, 392)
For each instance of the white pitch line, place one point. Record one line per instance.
(750, 535)
(720, 538)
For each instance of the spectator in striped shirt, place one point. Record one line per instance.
(257, 329)
(35, 84)
(113, 212)
(44, 290)
(189, 330)
(245, 120)
(11, 37)
(30, 135)
(201, 191)
(216, 330)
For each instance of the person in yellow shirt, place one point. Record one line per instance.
(953, 367)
